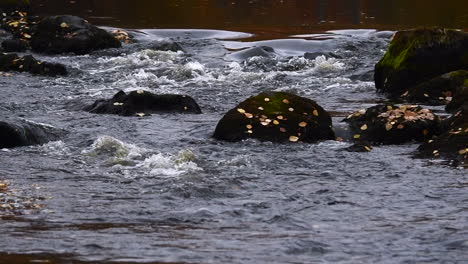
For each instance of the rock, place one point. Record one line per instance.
(20, 133)
(9, 4)
(360, 146)
(165, 45)
(122, 36)
(12, 62)
(453, 144)
(415, 56)
(142, 103)
(276, 117)
(62, 34)
(15, 45)
(439, 90)
(390, 124)
(459, 99)
(18, 23)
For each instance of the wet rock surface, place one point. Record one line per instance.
(453, 143)
(440, 90)
(15, 45)
(63, 34)
(13, 62)
(391, 124)
(142, 103)
(21, 133)
(277, 117)
(415, 56)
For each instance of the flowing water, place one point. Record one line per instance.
(159, 188)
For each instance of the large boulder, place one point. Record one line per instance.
(63, 34)
(453, 144)
(415, 56)
(12, 62)
(20, 133)
(276, 117)
(440, 90)
(390, 124)
(142, 103)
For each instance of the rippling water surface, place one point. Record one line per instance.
(159, 188)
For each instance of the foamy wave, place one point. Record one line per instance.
(55, 148)
(322, 64)
(143, 58)
(171, 165)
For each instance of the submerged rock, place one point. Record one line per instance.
(20, 133)
(62, 34)
(277, 117)
(439, 90)
(12, 62)
(453, 144)
(262, 51)
(390, 124)
(141, 103)
(415, 56)
(360, 146)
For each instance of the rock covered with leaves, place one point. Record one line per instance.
(12, 62)
(452, 144)
(440, 90)
(63, 34)
(415, 56)
(21, 133)
(390, 124)
(276, 117)
(141, 103)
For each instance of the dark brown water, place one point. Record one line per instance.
(266, 16)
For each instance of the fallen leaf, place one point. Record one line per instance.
(356, 136)
(276, 122)
(293, 138)
(261, 108)
(388, 126)
(282, 129)
(315, 112)
(302, 124)
(286, 101)
(240, 110)
(267, 99)
(364, 127)
(248, 115)
(291, 109)
(249, 126)
(64, 25)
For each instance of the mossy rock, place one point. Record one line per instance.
(440, 90)
(20, 133)
(276, 117)
(415, 56)
(390, 124)
(460, 98)
(141, 103)
(453, 144)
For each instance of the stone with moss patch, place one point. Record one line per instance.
(276, 117)
(390, 124)
(415, 56)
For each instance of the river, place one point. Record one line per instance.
(161, 189)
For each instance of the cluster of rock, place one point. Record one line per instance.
(428, 66)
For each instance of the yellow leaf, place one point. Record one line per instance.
(267, 99)
(315, 112)
(364, 127)
(293, 138)
(64, 25)
(276, 122)
(248, 126)
(249, 132)
(367, 148)
(291, 109)
(302, 124)
(261, 108)
(280, 117)
(463, 151)
(240, 110)
(356, 136)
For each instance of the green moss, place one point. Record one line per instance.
(465, 83)
(274, 105)
(14, 3)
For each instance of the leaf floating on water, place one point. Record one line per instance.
(286, 101)
(249, 126)
(293, 138)
(400, 126)
(282, 129)
(356, 136)
(364, 127)
(315, 112)
(388, 126)
(64, 25)
(267, 99)
(240, 110)
(248, 115)
(302, 124)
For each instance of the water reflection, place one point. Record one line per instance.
(265, 15)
